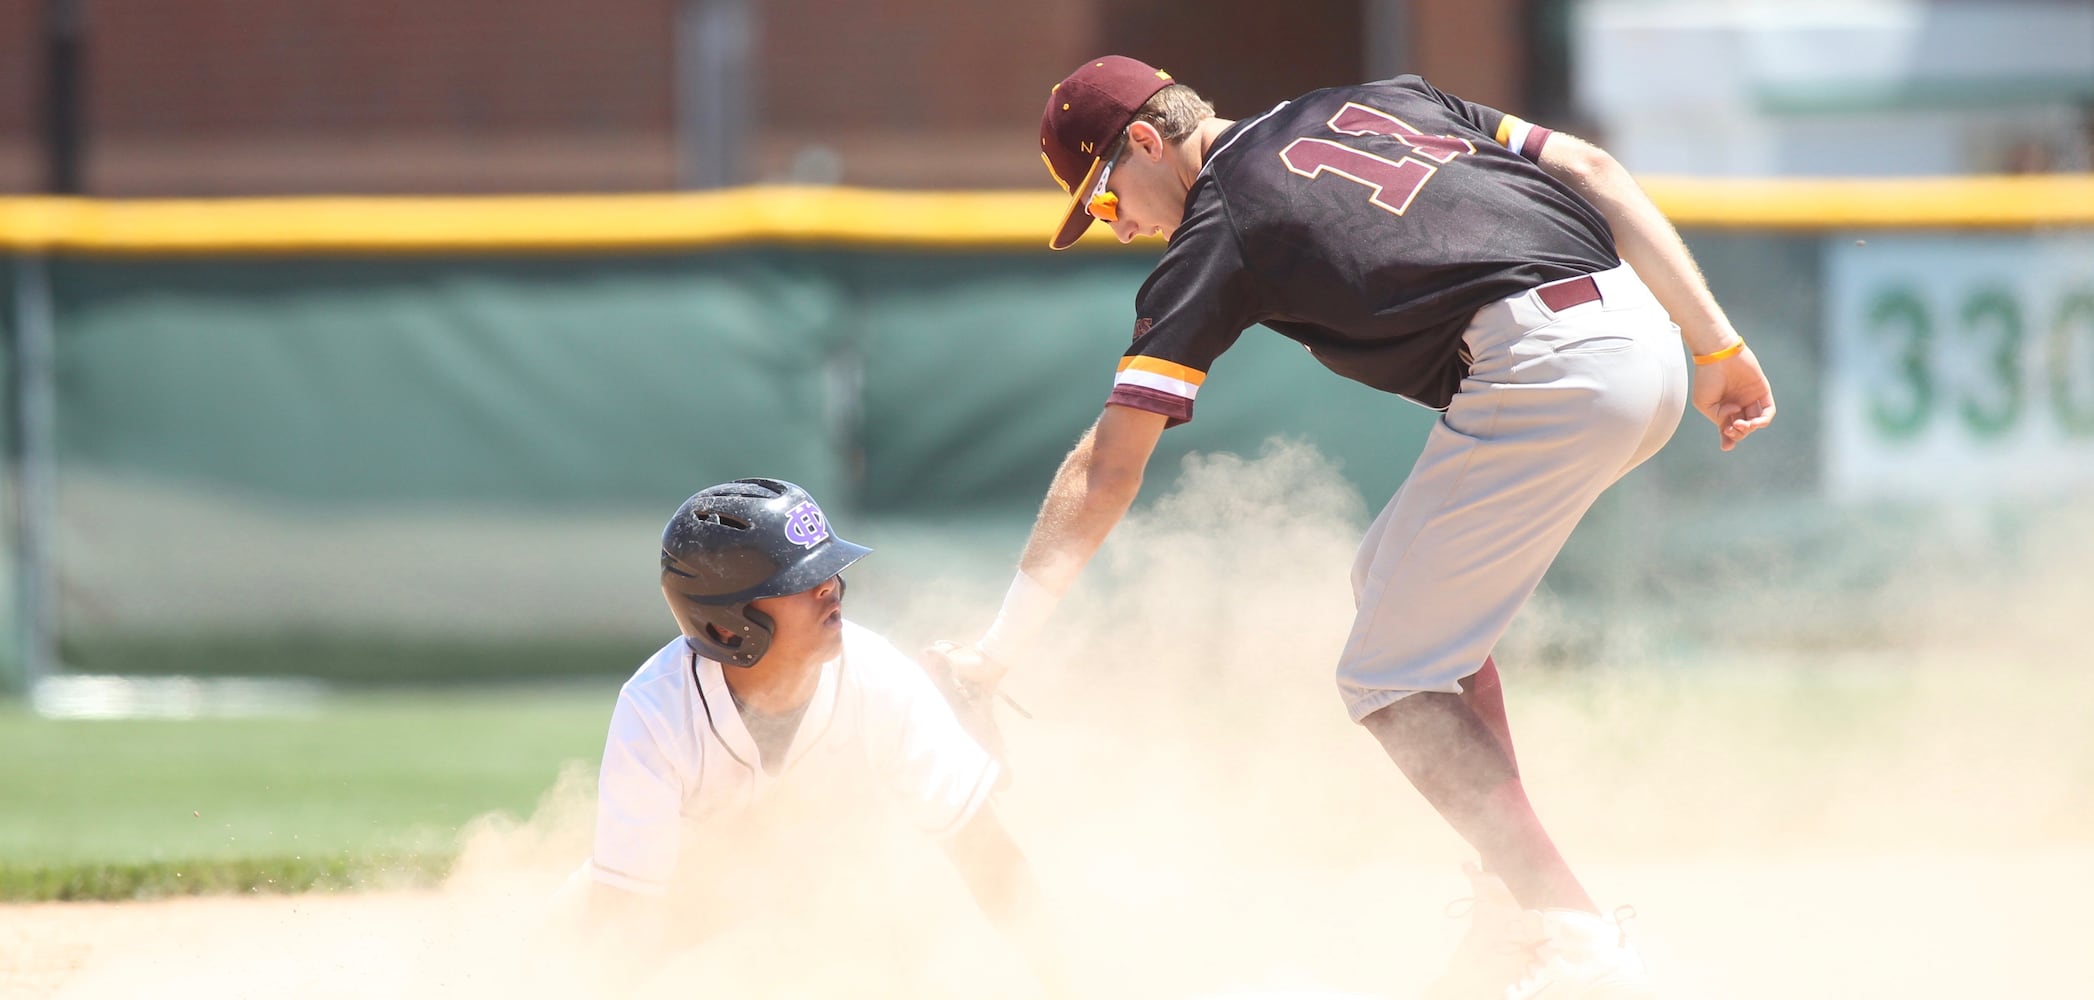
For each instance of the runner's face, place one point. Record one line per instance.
(806, 627)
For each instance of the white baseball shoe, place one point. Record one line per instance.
(1496, 949)
(1582, 955)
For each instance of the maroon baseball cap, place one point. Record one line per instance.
(1085, 114)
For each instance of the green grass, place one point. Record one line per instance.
(374, 783)
(361, 658)
(154, 879)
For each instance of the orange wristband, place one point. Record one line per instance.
(1723, 355)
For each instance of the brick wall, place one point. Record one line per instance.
(228, 96)
(950, 92)
(21, 63)
(1474, 48)
(1244, 55)
(931, 93)
(213, 97)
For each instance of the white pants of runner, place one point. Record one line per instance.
(1557, 407)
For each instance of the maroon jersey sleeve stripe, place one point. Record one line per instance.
(1176, 409)
(1531, 149)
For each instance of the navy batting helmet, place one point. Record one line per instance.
(737, 542)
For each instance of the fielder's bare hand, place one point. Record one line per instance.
(980, 673)
(967, 678)
(1734, 395)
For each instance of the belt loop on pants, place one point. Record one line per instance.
(1561, 295)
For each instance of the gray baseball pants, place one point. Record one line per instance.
(1558, 405)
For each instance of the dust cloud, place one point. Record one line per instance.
(1911, 815)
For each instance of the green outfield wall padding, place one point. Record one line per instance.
(890, 383)
(442, 468)
(518, 383)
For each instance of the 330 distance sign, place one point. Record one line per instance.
(1960, 367)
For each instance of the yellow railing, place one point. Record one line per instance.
(2020, 202)
(851, 217)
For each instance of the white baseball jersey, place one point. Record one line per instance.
(678, 754)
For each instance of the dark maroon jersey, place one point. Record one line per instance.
(1368, 223)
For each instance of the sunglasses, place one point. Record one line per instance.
(1105, 205)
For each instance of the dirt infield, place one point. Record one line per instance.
(177, 947)
(1911, 818)
(1922, 927)
(1928, 842)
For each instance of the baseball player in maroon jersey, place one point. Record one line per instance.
(1515, 279)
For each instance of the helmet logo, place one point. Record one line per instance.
(805, 526)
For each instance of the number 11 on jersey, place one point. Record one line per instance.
(1394, 182)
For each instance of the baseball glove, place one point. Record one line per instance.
(973, 704)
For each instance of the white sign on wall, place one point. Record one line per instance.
(1960, 366)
